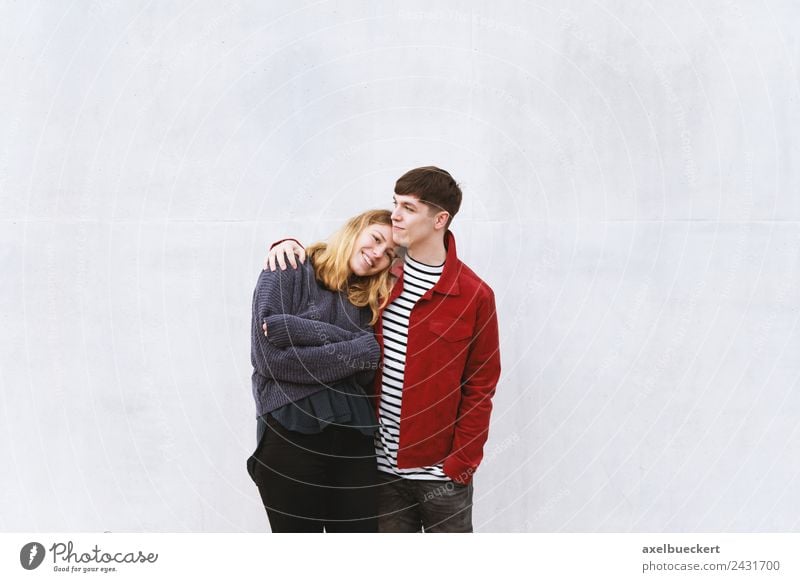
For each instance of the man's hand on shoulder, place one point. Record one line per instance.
(287, 251)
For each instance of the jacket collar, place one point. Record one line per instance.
(448, 282)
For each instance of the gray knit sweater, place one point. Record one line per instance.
(315, 339)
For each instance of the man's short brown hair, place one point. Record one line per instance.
(433, 186)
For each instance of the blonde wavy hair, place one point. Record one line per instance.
(331, 262)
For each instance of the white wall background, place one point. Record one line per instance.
(632, 181)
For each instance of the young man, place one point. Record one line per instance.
(441, 364)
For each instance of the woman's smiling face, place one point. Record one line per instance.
(373, 251)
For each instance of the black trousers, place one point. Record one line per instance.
(310, 483)
(409, 505)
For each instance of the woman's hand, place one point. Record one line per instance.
(264, 327)
(283, 252)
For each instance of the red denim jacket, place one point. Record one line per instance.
(452, 369)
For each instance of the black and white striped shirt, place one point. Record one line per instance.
(417, 279)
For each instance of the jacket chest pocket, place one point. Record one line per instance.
(453, 331)
(447, 354)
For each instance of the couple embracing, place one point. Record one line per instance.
(373, 375)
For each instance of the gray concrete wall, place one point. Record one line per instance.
(632, 194)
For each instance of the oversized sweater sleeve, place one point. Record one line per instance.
(285, 330)
(276, 294)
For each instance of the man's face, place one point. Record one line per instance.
(412, 220)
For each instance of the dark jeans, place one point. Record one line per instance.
(408, 505)
(308, 482)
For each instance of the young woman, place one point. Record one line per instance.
(314, 357)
